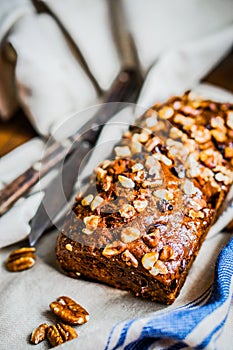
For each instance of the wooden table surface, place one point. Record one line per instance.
(18, 130)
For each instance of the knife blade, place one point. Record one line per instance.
(125, 87)
(58, 192)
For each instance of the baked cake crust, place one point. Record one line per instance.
(142, 220)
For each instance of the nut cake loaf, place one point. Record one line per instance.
(141, 222)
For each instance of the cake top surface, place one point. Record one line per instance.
(151, 202)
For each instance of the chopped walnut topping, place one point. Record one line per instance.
(155, 171)
(228, 174)
(196, 214)
(152, 184)
(189, 187)
(190, 110)
(149, 259)
(87, 200)
(177, 105)
(100, 173)
(143, 137)
(123, 151)
(175, 133)
(194, 97)
(230, 119)
(91, 222)
(129, 258)
(152, 120)
(107, 183)
(176, 149)
(159, 126)
(219, 136)
(163, 194)
(206, 174)
(166, 112)
(129, 234)
(222, 178)
(200, 133)
(150, 161)
(140, 176)
(78, 197)
(167, 253)
(229, 152)
(159, 269)
(69, 247)
(96, 202)
(135, 137)
(127, 135)
(136, 147)
(171, 143)
(126, 182)
(152, 143)
(218, 123)
(193, 167)
(181, 119)
(190, 145)
(140, 204)
(106, 163)
(211, 158)
(197, 203)
(113, 249)
(127, 211)
(136, 167)
(163, 159)
(152, 239)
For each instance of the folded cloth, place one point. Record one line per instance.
(51, 85)
(10, 13)
(179, 69)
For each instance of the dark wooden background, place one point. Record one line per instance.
(18, 130)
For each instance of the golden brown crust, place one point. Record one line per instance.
(141, 222)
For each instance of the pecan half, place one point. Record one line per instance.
(60, 333)
(113, 249)
(39, 334)
(129, 258)
(69, 311)
(21, 259)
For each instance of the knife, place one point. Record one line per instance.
(58, 192)
(55, 195)
(125, 87)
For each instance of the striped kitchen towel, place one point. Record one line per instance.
(196, 325)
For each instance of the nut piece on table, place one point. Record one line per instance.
(21, 259)
(60, 333)
(39, 334)
(69, 311)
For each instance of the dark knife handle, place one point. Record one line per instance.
(17, 188)
(23, 183)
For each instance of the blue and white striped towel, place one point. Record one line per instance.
(195, 325)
